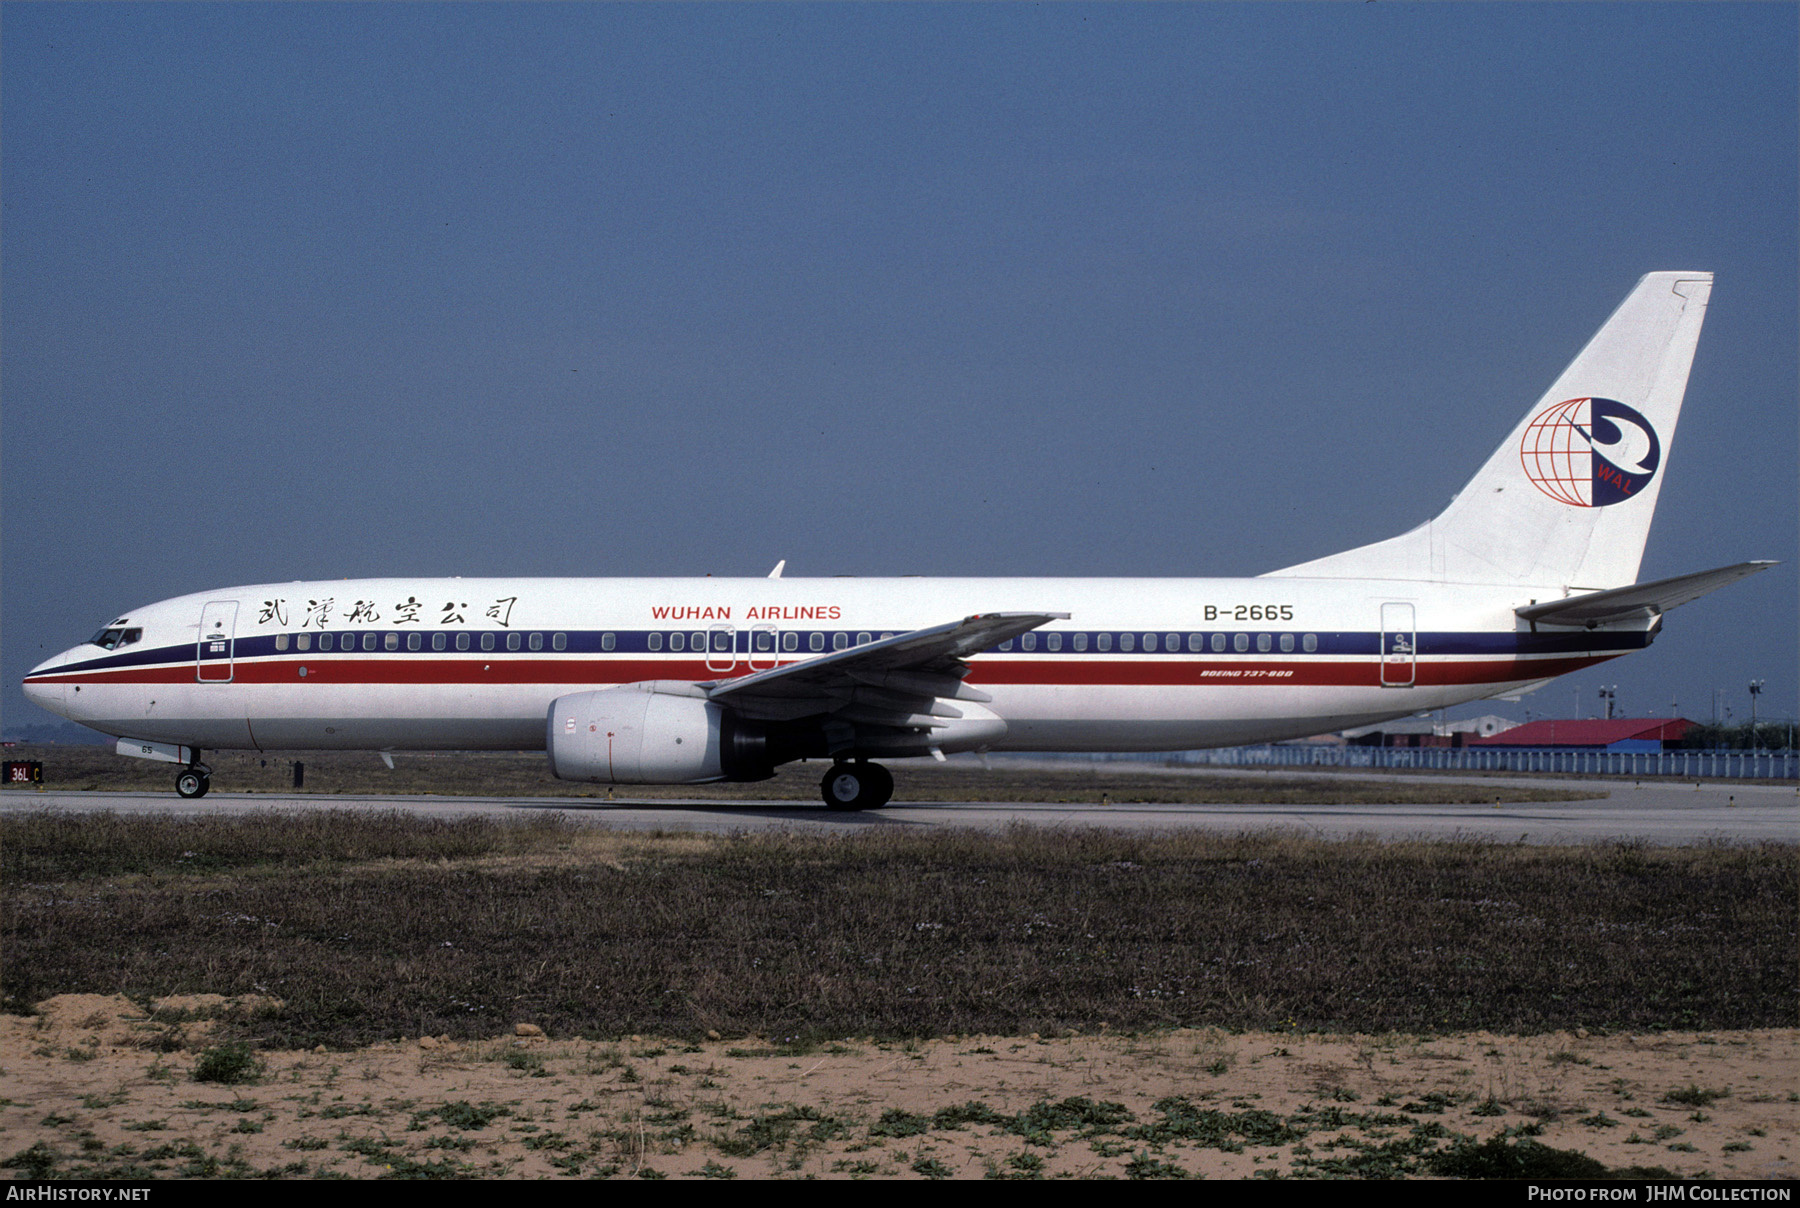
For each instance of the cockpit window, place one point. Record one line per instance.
(113, 637)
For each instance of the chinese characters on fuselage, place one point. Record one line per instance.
(363, 612)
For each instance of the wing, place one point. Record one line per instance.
(906, 680)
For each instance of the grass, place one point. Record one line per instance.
(1693, 1095)
(231, 1063)
(375, 924)
(1313, 1141)
(467, 1116)
(1497, 1158)
(50, 846)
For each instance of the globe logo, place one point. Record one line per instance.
(1590, 452)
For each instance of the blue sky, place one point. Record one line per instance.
(296, 291)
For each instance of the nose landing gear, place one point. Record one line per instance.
(857, 786)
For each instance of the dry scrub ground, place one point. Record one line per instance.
(93, 1086)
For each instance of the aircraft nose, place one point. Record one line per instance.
(43, 693)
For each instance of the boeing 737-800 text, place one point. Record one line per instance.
(1530, 573)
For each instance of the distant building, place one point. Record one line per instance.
(1617, 734)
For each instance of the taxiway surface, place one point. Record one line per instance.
(1646, 811)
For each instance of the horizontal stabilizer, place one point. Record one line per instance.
(1639, 601)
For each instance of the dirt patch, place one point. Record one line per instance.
(87, 1096)
(90, 1023)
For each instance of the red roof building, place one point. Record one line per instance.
(1618, 734)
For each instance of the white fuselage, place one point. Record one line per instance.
(1139, 665)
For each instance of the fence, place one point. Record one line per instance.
(1741, 765)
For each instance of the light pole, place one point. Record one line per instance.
(1755, 691)
(1609, 695)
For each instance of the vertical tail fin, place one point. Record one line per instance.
(1567, 499)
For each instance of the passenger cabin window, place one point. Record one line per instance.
(324, 641)
(560, 642)
(1053, 641)
(437, 641)
(1103, 641)
(462, 641)
(816, 641)
(535, 642)
(790, 641)
(1195, 642)
(487, 641)
(696, 641)
(1126, 641)
(1149, 643)
(412, 641)
(369, 641)
(862, 639)
(1240, 642)
(765, 641)
(1028, 641)
(608, 642)
(1309, 643)
(281, 641)
(656, 641)
(840, 641)
(1218, 643)
(678, 641)
(512, 641)
(1081, 641)
(1006, 645)
(1287, 643)
(303, 641)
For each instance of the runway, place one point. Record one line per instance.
(1649, 812)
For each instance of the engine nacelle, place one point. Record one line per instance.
(658, 732)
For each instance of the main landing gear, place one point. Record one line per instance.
(857, 786)
(193, 780)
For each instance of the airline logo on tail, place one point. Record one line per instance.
(1590, 452)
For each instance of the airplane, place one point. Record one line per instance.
(1529, 573)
